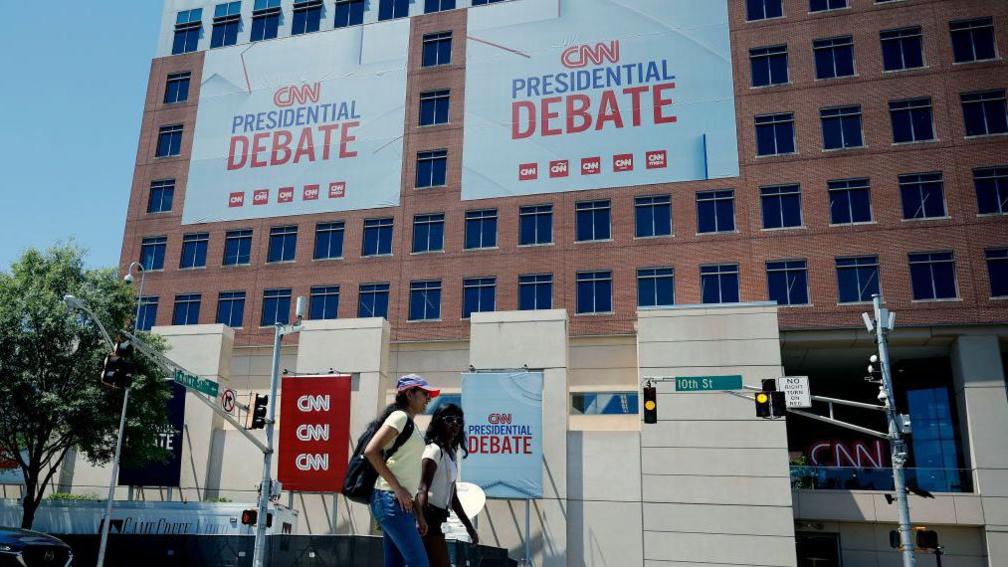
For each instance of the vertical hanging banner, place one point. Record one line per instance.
(167, 473)
(314, 432)
(503, 415)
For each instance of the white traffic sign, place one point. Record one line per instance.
(228, 399)
(796, 391)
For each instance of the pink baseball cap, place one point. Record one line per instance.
(416, 381)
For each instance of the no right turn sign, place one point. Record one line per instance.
(796, 391)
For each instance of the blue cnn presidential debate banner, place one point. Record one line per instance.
(503, 413)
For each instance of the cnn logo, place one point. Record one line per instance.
(657, 159)
(528, 171)
(311, 192)
(337, 190)
(260, 197)
(559, 168)
(236, 200)
(591, 166)
(623, 162)
(286, 195)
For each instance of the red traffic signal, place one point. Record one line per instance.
(249, 517)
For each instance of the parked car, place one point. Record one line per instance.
(25, 548)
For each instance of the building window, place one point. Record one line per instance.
(763, 9)
(265, 19)
(187, 31)
(775, 134)
(226, 21)
(431, 168)
(231, 308)
(991, 186)
(841, 127)
(431, 6)
(715, 211)
(147, 313)
(911, 120)
(781, 206)
(857, 278)
(592, 220)
(377, 237)
(997, 271)
(973, 40)
(238, 247)
(307, 17)
(923, 195)
(604, 403)
(161, 194)
(194, 249)
(478, 294)
(850, 201)
(535, 225)
(324, 302)
(535, 291)
(186, 309)
(834, 57)
(719, 283)
(425, 301)
(594, 292)
(177, 88)
(935, 440)
(902, 48)
(169, 141)
(985, 113)
(349, 13)
(152, 252)
(932, 275)
(428, 233)
(434, 108)
(769, 65)
(481, 229)
(484, 2)
(653, 215)
(655, 287)
(437, 49)
(826, 5)
(276, 307)
(282, 244)
(372, 300)
(390, 9)
(787, 282)
(328, 240)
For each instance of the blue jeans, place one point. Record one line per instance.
(400, 538)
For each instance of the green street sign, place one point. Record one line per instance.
(208, 387)
(707, 383)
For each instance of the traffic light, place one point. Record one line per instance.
(259, 411)
(763, 405)
(249, 517)
(926, 539)
(650, 405)
(770, 403)
(118, 367)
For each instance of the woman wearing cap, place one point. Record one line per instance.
(399, 475)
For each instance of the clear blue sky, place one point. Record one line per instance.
(74, 81)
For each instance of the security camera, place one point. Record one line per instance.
(882, 396)
(873, 358)
(299, 309)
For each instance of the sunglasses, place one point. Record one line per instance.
(454, 420)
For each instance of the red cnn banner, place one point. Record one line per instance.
(314, 432)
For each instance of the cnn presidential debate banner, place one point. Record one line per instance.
(584, 94)
(306, 124)
(503, 417)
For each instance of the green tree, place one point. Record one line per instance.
(51, 399)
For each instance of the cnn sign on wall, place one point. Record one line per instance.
(314, 432)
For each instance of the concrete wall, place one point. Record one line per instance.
(867, 545)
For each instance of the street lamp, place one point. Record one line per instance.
(128, 278)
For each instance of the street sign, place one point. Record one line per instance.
(707, 383)
(796, 391)
(208, 387)
(228, 400)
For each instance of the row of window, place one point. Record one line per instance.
(932, 277)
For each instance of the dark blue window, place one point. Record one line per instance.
(902, 49)
(923, 195)
(349, 13)
(593, 220)
(161, 194)
(389, 9)
(438, 5)
(324, 302)
(431, 168)
(478, 294)
(775, 134)
(373, 300)
(177, 88)
(231, 308)
(328, 240)
(535, 291)
(194, 249)
(715, 211)
(781, 206)
(932, 275)
(237, 247)
(653, 215)
(763, 9)
(484, 2)
(186, 309)
(276, 307)
(535, 225)
(377, 237)
(187, 31)
(997, 271)
(824, 5)
(481, 228)
(769, 65)
(857, 278)
(437, 49)
(991, 184)
(265, 19)
(985, 113)
(604, 403)
(152, 252)
(282, 244)
(719, 284)
(973, 40)
(307, 17)
(226, 23)
(841, 127)
(850, 201)
(434, 108)
(834, 57)
(425, 301)
(147, 313)
(911, 120)
(935, 444)
(594, 292)
(787, 282)
(169, 142)
(428, 233)
(655, 287)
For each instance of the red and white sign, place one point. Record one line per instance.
(528, 171)
(286, 195)
(310, 192)
(236, 199)
(260, 197)
(337, 190)
(559, 168)
(591, 165)
(622, 162)
(314, 432)
(657, 159)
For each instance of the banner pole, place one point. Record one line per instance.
(528, 523)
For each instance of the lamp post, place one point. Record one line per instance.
(128, 278)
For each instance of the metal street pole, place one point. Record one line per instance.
(112, 483)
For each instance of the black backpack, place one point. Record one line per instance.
(358, 485)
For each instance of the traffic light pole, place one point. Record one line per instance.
(112, 484)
